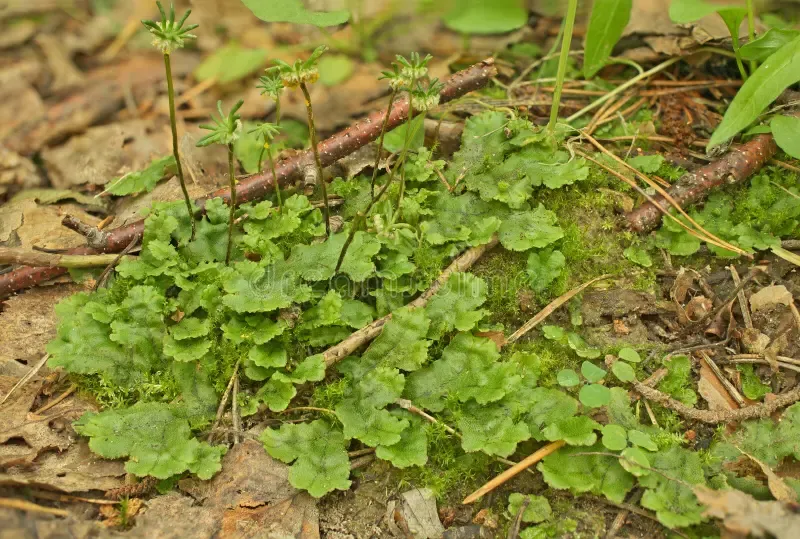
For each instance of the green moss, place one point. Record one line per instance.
(328, 395)
(504, 273)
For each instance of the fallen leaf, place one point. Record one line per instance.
(742, 514)
(712, 390)
(779, 489)
(770, 296)
(698, 307)
(16, 173)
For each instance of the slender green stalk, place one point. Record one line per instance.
(739, 64)
(380, 142)
(173, 124)
(751, 30)
(278, 123)
(232, 203)
(569, 24)
(313, 132)
(274, 177)
(404, 154)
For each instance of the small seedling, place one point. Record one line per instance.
(302, 73)
(226, 130)
(267, 132)
(271, 86)
(169, 35)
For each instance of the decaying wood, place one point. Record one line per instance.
(258, 186)
(715, 417)
(737, 165)
(356, 340)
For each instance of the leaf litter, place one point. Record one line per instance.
(184, 319)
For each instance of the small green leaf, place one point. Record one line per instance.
(641, 439)
(615, 437)
(638, 255)
(606, 23)
(752, 386)
(142, 180)
(594, 395)
(777, 73)
(599, 474)
(554, 333)
(230, 63)
(455, 305)
(270, 355)
(524, 230)
(786, 130)
(766, 44)
(623, 371)
(311, 369)
(568, 378)
(581, 347)
(574, 430)
(629, 354)
(394, 141)
(592, 372)
(490, 429)
(649, 164)
(538, 509)
(295, 12)
(480, 17)
(677, 382)
(635, 461)
(412, 449)
(544, 267)
(686, 11)
(335, 69)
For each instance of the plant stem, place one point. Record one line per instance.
(380, 141)
(173, 124)
(274, 178)
(569, 24)
(751, 30)
(232, 203)
(313, 132)
(404, 155)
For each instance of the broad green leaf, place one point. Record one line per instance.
(577, 430)
(455, 305)
(615, 437)
(649, 164)
(371, 425)
(544, 406)
(318, 449)
(334, 69)
(554, 333)
(190, 327)
(568, 378)
(142, 180)
(270, 355)
(295, 12)
(686, 11)
(490, 429)
(786, 130)
(412, 449)
(674, 503)
(544, 267)
(311, 369)
(317, 262)
(594, 395)
(623, 371)
(538, 509)
(277, 393)
(567, 468)
(606, 23)
(155, 436)
(641, 439)
(766, 44)
(231, 63)
(635, 461)
(253, 288)
(777, 73)
(460, 218)
(629, 354)
(592, 372)
(480, 17)
(524, 230)
(638, 255)
(401, 344)
(186, 350)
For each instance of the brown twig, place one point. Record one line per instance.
(259, 185)
(734, 167)
(729, 387)
(223, 403)
(106, 272)
(95, 238)
(714, 417)
(513, 532)
(622, 516)
(25, 379)
(15, 255)
(55, 401)
(748, 320)
(514, 471)
(22, 505)
(364, 335)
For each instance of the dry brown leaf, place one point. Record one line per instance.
(17, 172)
(779, 489)
(712, 390)
(770, 296)
(741, 513)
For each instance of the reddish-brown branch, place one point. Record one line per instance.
(734, 167)
(258, 186)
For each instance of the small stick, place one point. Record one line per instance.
(237, 421)
(513, 533)
(714, 417)
(95, 238)
(15, 255)
(106, 272)
(650, 413)
(44, 495)
(622, 516)
(361, 452)
(762, 361)
(552, 306)
(789, 360)
(55, 401)
(748, 320)
(24, 380)
(361, 462)
(729, 387)
(514, 471)
(22, 505)
(224, 402)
